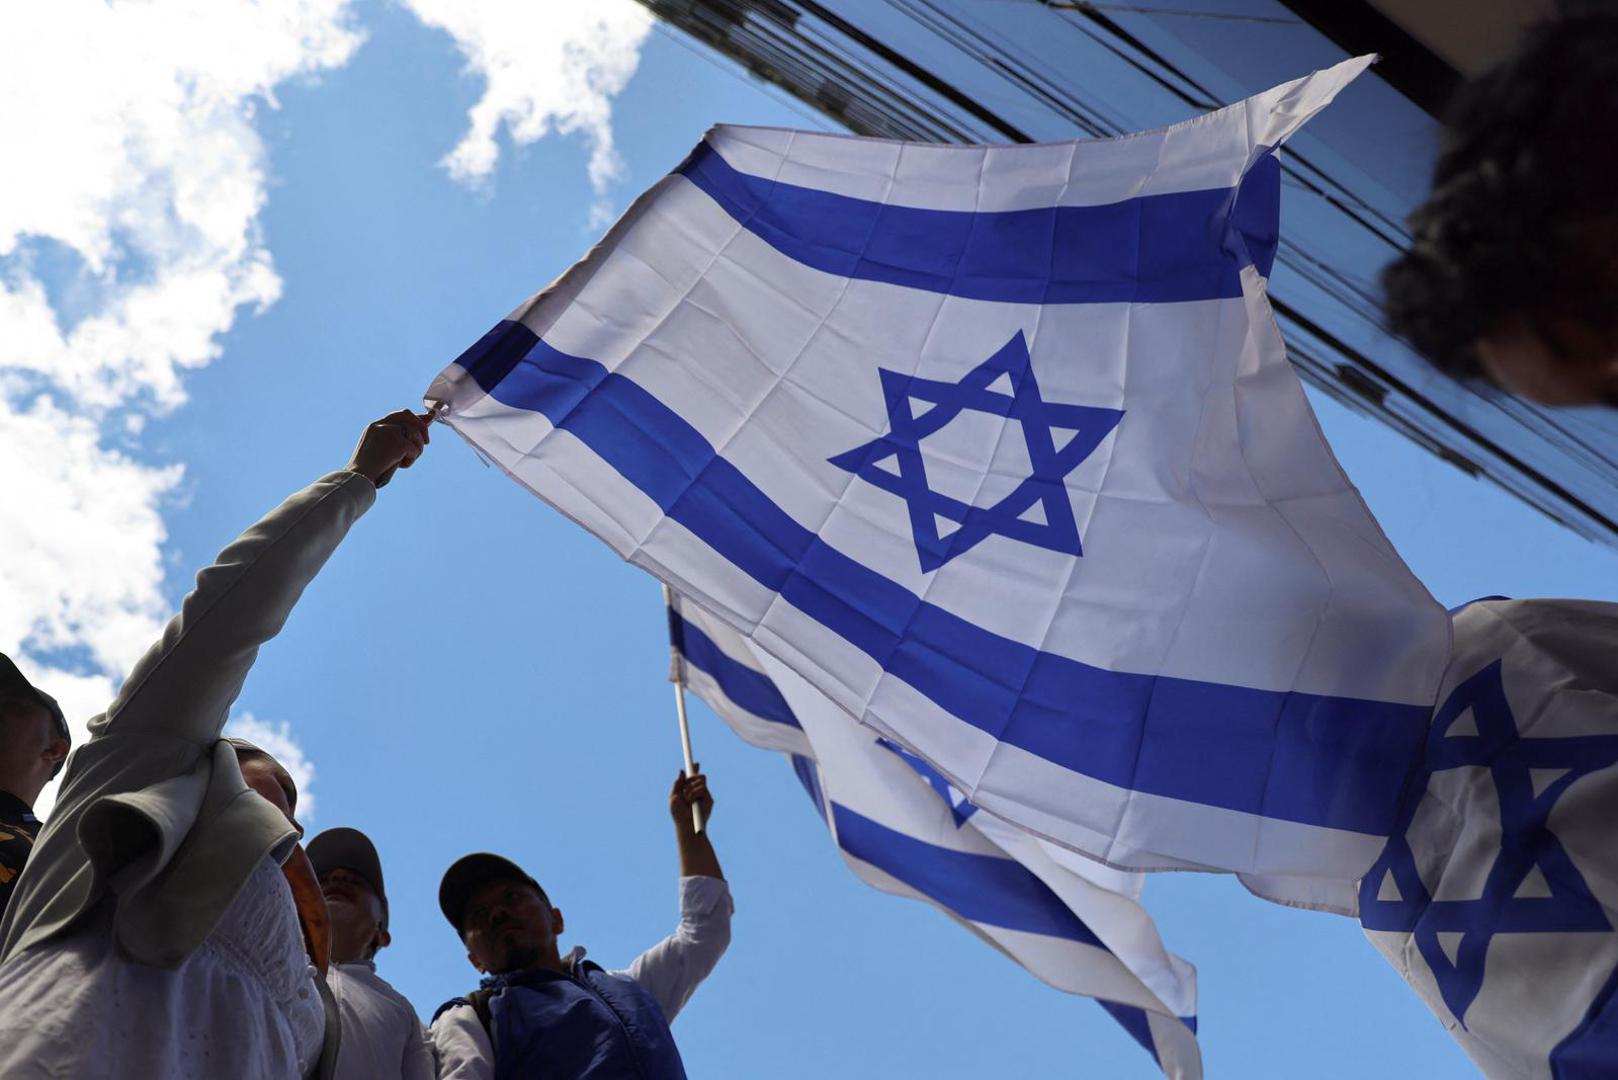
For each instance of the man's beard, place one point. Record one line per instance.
(521, 958)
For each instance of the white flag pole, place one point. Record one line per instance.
(679, 707)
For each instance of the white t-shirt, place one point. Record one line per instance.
(382, 1036)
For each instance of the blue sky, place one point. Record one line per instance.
(472, 671)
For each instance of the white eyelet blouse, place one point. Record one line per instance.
(243, 1006)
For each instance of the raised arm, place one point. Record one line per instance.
(697, 857)
(672, 969)
(166, 720)
(181, 690)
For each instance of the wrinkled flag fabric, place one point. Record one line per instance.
(901, 828)
(1497, 898)
(998, 447)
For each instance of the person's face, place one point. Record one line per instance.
(1580, 368)
(509, 926)
(265, 776)
(356, 915)
(30, 746)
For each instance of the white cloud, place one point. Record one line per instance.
(129, 241)
(80, 555)
(129, 129)
(277, 741)
(548, 65)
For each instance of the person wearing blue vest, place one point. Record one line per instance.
(540, 1013)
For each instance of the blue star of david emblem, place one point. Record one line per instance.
(1037, 511)
(959, 808)
(1532, 886)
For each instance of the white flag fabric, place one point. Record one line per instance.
(1497, 898)
(998, 448)
(902, 828)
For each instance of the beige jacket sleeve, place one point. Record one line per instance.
(185, 684)
(145, 781)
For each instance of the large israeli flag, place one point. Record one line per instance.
(1497, 898)
(998, 447)
(902, 828)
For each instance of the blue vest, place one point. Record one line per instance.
(583, 1025)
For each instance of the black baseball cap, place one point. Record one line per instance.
(13, 684)
(466, 874)
(349, 849)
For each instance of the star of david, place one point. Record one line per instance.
(1532, 886)
(1059, 437)
(959, 808)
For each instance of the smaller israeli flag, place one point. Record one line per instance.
(1497, 897)
(902, 828)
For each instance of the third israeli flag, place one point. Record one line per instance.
(1497, 898)
(998, 448)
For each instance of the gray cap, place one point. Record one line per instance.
(469, 872)
(349, 849)
(13, 684)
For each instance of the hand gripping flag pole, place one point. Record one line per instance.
(904, 829)
(677, 677)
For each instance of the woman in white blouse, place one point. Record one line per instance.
(154, 933)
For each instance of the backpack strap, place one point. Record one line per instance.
(479, 1000)
(325, 1066)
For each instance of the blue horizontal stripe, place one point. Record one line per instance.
(986, 889)
(1181, 246)
(1318, 760)
(749, 689)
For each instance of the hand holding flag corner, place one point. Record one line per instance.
(998, 448)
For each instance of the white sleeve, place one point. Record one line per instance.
(418, 1063)
(461, 1045)
(671, 970)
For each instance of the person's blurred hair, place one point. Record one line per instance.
(1522, 221)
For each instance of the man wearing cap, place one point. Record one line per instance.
(382, 1036)
(542, 1014)
(33, 745)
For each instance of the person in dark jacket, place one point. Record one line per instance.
(542, 1013)
(34, 742)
